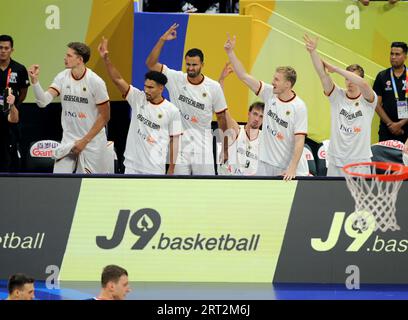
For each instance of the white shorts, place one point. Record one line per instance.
(129, 170)
(335, 168)
(194, 164)
(95, 160)
(266, 169)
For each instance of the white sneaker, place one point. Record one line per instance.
(188, 8)
(215, 8)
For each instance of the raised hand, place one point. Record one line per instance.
(103, 48)
(171, 33)
(311, 44)
(230, 43)
(226, 71)
(34, 72)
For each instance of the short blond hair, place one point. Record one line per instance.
(289, 74)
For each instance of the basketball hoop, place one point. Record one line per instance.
(375, 193)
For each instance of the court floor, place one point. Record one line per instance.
(222, 291)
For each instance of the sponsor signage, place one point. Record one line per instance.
(179, 230)
(35, 221)
(321, 239)
(44, 148)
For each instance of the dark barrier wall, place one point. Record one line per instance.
(198, 230)
(320, 241)
(35, 221)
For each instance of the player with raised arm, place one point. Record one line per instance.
(285, 118)
(352, 111)
(197, 97)
(85, 112)
(155, 126)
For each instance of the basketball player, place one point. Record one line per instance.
(115, 283)
(85, 112)
(155, 122)
(243, 141)
(352, 111)
(285, 118)
(20, 287)
(197, 97)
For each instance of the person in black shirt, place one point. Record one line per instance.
(392, 89)
(13, 75)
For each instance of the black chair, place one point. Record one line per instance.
(321, 165)
(39, 158)
(310, 160)
(387, 151)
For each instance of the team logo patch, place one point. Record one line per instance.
(204, 95)
(287, 112)
(159, 115)
(356, 104)
(84, 88)
(388, 83)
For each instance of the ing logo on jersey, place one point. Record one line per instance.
(187, 117)
(73, 114)
(279, 135)
(350, 130)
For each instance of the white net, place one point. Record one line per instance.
(374, 197)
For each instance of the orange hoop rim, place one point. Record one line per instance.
(381, 165)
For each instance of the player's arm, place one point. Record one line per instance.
(239, 69)
(290, 172)
(114, 74)
(100, 123)
(232, 125)
(152, 61)
(222, 124)
(13, 116)
(365, 88)
(42, 98)
(325, 79)
(174, 148)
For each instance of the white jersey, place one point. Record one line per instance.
(149, 133)
(197, 103)
(351, 119)
(243, 154)
(79, 100)
(281, 122)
